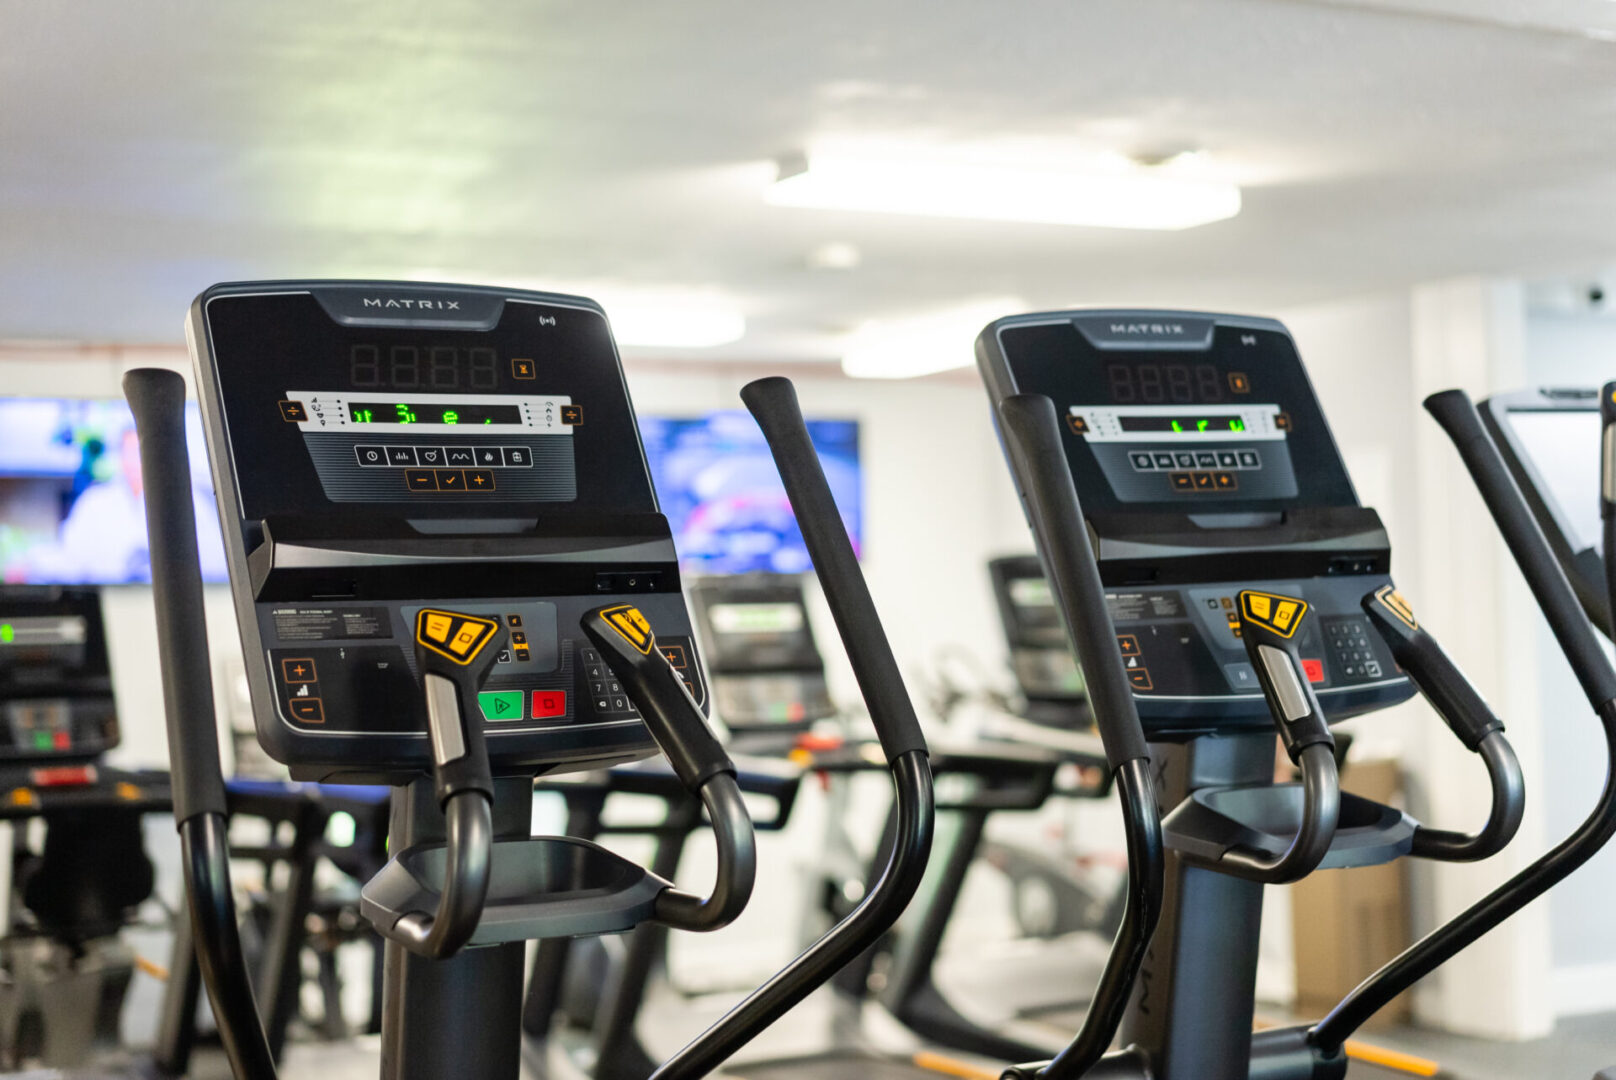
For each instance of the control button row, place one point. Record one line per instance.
(303, 690)
(453, 481)
(1204, 481)
(1156, 461)
(487, 457)
(500, 705)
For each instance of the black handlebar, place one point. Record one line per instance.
(1458, 417)
(1454, 411)
(1032, 437)
(628, 643)
(1467, 716)
(157, 400)
(773, 402)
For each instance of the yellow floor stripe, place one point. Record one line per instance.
(1391, 1059)
(156, 971)
(948, 1066)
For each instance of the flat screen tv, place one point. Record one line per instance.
(718, 487)
(70, 495)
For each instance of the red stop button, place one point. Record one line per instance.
(1314, 670)
(549, 703)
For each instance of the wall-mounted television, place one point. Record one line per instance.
(717, 484)
(70, 494)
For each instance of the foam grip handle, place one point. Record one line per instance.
(1438, 677)
(1270, 625)
(1032, 437)
(459, 650)
(157, 400)
(1454, 411)
(773, 403)
(627, 643)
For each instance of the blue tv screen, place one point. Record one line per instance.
(717, 484)
(70, 495)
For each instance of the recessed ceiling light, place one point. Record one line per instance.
(1134, 198)
(903, 348)
(836, 255)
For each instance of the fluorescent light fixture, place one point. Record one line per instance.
(667, 325)
(922, 344)
(1134, 198)
(643, 317)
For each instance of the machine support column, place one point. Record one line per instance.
(422, 997)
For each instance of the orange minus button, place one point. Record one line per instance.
(308, 710)
(420, 479)
(1140, 679)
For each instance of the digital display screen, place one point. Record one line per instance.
(1157, 383)
(1031, 592)
(1181, 424)
(71, 509)
(756, 618)
(1563, 446)
(35, 630)
(423, 367)
(716, 482)
(406, 412)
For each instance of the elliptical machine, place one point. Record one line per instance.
(437, 516)
(1182, 459)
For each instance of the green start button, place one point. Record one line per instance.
(501, 704)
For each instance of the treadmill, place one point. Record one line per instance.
(767, 673)
(1040, 659)
(65, 966)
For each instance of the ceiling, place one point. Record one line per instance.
(148, 150)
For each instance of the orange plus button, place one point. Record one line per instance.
(1128, 644)
(293, 412)
(572, 415)
(674, 654)
(298, 670)
(522, 369)
(1078, 425)
(479, 480)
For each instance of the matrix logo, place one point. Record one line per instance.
(434, 305)
(1155, 329)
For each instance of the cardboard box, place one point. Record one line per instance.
(1345, 924)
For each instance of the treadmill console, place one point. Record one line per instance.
(1204, 467)
(1040, 657)
(767, 673)
(381, 447)
(56, 702)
